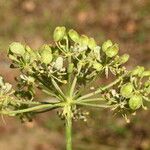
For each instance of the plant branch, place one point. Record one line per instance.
(92, 105)
(43, 106)
(101, 89)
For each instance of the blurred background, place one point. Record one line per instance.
(126, 22)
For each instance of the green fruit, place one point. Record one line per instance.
(70, 68)
(124, 58)
(46, 57)
(17, 48)
(91, 43)
(74, 35)
(112, 50)
(138, 70)
(127, 90)
(106, 44)
(84, 40)
(97, 66)
(59, 33)
(135, 102)
(46, 54)
(146, 74)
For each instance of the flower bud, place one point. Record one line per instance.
(124, 58)
(59, 33)
(135, 102)
(97, 66)
(74, 35)
(59, 63)
(106, 44)
(84, 40)
(70, 68)
(17, 48)
(91, 43)
(138, 70)
(126, 90)
(112, 50)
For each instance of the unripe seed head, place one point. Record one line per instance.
(74, 35)
(135, 102)
(97, 66)
(138, 71)
(17, 48)
(91, 43)
(146, 74)
(106, 44)
(126, 90)
(59, 33)
(84, 40)
(124, 58)
(46, 54)
(112, 50)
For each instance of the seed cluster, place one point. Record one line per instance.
(64, 70)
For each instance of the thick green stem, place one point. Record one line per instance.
(68, 131)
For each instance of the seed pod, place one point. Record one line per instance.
(124, 58)
(138, 70)
(135, 102)
(112, 50)
(59, 33)
(74, 35)
(70, 68)
(59, 63)
(146, 74)
(127, 90)
(106, 44)
(97, 66)
(17, 48)
(84, 40)
(91, 43)
(46, 55)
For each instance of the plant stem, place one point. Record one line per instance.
(69, 130)
(42, 106)
(93, 105)
(99, 90)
